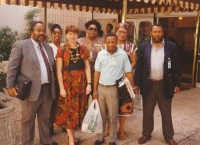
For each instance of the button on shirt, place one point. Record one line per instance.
(157, 62)
(112, 67)
(43, 70)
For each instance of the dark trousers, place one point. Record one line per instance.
(156, 93)
(41, 107)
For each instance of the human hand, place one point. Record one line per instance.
(176, 89)
(136, 89)
(63, 93)
(95, 95)
(88, 89)
(12, 92)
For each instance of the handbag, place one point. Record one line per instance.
(125, 89)
(23, 86)
(92, 122)
(127, 108)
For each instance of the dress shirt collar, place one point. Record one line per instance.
(163, 43)
(36, 44)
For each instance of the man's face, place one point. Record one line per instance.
(39, 33)
(157, 34)
(108, 29)
(111, 43)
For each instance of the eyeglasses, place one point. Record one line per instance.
(94, 29)
(122, 32)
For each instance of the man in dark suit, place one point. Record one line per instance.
(34, 59)
(158, 76)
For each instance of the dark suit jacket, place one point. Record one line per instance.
(171, 76)
(23, 59)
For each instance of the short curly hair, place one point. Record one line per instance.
(55, 26)
(93, 22)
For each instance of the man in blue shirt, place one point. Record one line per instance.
(111, 64)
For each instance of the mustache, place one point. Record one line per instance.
(157, 40)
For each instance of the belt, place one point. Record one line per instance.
(108, 85)
(152, 80)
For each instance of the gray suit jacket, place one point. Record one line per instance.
(23, 59)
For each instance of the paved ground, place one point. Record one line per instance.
(185, 112)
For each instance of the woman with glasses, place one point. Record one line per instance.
(74, 78)
(121, 31)
(93, 42)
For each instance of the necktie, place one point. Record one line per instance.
(46, 63)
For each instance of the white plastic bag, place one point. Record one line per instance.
(92, 122)
(138, 101)
(89, 100)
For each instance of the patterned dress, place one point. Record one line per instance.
(128, 47)
(72, 109)
(94, 47)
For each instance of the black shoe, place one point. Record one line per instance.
(64, 130)
(99, 142)
(51, 130)
(76, 142)
(112, 143)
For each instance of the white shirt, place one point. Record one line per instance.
(55, 48)
(157, 62)
(43, 70)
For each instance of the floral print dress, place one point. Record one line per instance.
(72, 109)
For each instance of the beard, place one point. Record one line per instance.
(158, 40)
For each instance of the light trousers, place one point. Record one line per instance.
(108, 102)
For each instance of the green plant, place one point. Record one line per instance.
(7, 38)
(2, 78)
(29, 17)
(139, 41)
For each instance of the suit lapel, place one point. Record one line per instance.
(148, 53)
(167, 55)
(32, 53)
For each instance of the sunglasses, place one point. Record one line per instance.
(92, 29)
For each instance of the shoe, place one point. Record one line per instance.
(121, 136)
(51, 130)
(76, 142)
(53, 143)
(99, 142)
(64, 130)
(143, 139)
(112, 143)
(172, 142)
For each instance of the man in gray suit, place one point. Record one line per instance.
(34, 59)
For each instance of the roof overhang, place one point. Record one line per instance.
(115, 6)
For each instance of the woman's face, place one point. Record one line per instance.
(72, 37)
(122, 34)
(92, 31)
(56, 35)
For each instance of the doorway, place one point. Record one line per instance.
(181, 30)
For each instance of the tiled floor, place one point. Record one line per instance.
(185, 113)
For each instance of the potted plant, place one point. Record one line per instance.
(7, 38)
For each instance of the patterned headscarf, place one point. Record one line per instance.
(124, 25)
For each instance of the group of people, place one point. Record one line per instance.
(64, 76)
